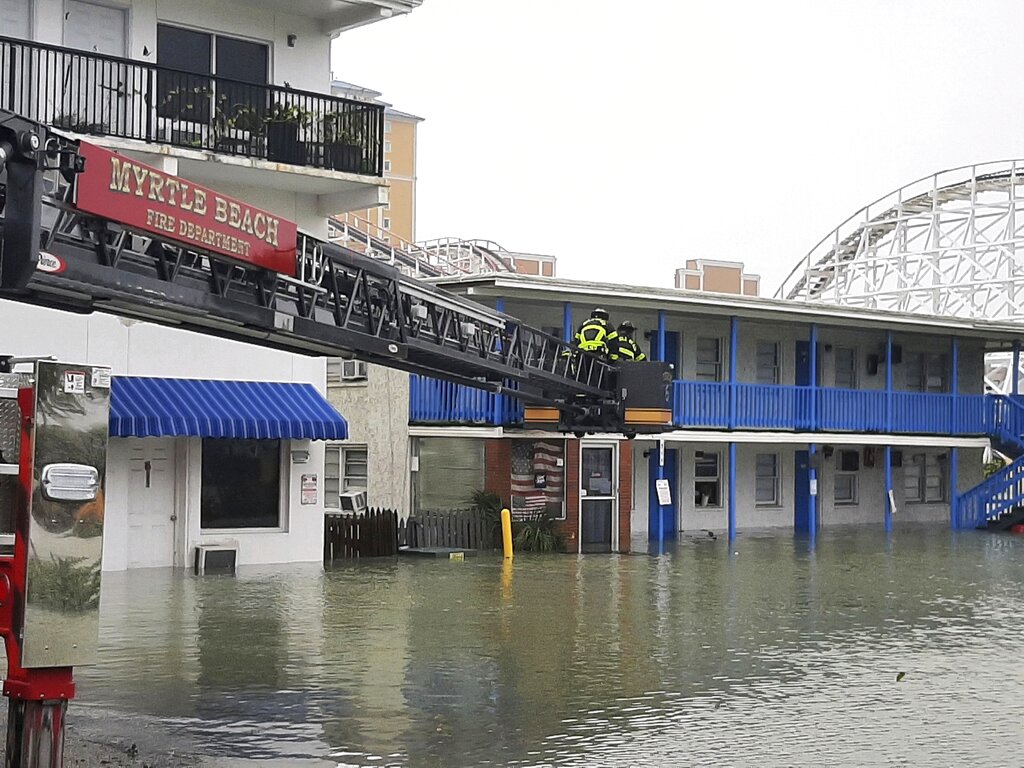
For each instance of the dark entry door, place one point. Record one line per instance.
(802, 492)
(598, 498)
(668, 513)
(671, 350)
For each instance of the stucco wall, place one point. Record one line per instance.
(378, 417)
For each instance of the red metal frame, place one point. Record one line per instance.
(46, 684)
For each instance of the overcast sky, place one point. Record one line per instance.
(625, 137)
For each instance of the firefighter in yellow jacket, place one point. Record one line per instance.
(624, 348)
(596, 335)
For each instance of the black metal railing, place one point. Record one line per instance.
(95, 94)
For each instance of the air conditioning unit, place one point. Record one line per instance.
(352, 370)
(216, 558)
(353, 501)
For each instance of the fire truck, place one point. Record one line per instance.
(86, 229)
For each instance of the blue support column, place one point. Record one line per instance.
(813, 378)
(732, 491)
(734, 333)
(954, 487)
(888, 381)
(661, 336)
(812, 500)
(567, 329)
(888, 488)
(1015, 380)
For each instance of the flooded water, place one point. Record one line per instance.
(764, 652)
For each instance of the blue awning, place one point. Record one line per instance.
(151, 407)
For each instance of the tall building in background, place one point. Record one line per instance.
(707, 275)
(397, 217)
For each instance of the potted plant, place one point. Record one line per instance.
(343, 144)
(283, 145)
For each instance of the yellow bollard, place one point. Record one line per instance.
(506, 532)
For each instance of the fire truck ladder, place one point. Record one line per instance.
(340, 302)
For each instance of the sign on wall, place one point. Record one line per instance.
(308, 495)
(121, 188)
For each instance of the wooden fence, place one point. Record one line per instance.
(373, 533)
(463, 528)
(379, 532)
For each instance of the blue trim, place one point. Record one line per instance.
(812, 364)
(954, 383)
(567, 329)
(734, 334)
(888, 488)
(151, 407)
(432, 401)
(888, 381)
(732, 491)
(812, 500)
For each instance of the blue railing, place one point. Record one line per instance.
(986, 501)
(432, 401)
(723, 405)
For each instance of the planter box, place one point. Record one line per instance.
(283, 145)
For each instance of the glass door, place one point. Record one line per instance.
(598, 498)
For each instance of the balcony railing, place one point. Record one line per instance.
(432, 401)
(91, 93)
(721, 405)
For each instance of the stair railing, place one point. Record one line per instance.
(997, 494)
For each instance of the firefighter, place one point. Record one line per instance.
(624, 348)
(596, 334)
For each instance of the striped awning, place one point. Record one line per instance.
(153, 407)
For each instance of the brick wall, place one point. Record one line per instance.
(498, 468)
(570, 528)
(625, 492)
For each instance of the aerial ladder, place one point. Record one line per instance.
(84, 229)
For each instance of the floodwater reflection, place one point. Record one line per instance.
(764, 651)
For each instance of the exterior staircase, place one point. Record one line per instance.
(997, 503)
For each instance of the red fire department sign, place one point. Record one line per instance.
(138, 195)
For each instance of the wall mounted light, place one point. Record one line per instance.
(300, 456)
(292, 40)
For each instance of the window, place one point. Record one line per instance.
(924, 478)
(387, 146)
(345, 469)
(926, 372)
(766, 493)
(847, 464)
(199, 55)
(340, 371)
(767, 362)
(449, 470)
(707, 480)
(387, 126)
(538, 478)
(709, 359)
(846, 368)
(387, 166)
(241, 484)
(387, 223)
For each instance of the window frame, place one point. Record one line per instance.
(387, 166)
(716, 479)
(283, 487)
(776, 477)
(922, 463)
(929, 361)
(776, 368)
(853, 476)
(854, 373)
(717, 363)
(342, 450)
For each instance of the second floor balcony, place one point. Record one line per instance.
(742, 406)
(98, 95)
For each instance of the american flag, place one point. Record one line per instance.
(537, 476)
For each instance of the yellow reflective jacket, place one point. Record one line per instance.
(626, 350)
(595, 335)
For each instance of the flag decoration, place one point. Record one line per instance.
(538, 472)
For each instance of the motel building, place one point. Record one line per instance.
(212, 442)
(786, 416)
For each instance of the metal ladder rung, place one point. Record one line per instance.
(8, 469)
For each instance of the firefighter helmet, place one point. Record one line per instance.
(600, 313)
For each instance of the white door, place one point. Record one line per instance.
(97, 92)
(151, 509)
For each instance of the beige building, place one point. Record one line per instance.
(717, 277)
(396, 218)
